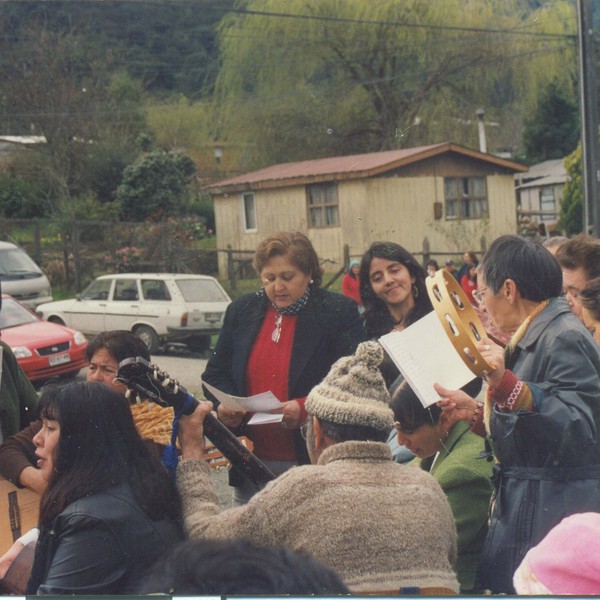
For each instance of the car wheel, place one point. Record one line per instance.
(148, 336)
(199, 344)
(56, 320)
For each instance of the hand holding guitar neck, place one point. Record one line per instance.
(148, 381)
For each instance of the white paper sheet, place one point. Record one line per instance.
(260, 404)
(425, 356)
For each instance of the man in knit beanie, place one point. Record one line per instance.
(384, 527)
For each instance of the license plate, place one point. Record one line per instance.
(212, 317)
(60, 359)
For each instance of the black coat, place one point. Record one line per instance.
(549, 459)
(327, 328)
(100, 544)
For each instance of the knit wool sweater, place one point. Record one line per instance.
(380, 525)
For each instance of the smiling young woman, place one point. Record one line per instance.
(392, 288)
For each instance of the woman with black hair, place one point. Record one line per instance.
(104, 353)
(392, 289)
(452, 453)
(541, 409)
(110, 508)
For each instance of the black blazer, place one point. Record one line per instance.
(328, 327)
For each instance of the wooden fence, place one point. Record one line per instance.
(74, 253)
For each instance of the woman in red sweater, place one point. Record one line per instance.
(351, 284)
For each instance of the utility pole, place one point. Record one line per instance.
(588, 98)
(481, 126)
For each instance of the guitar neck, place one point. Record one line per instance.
(151, 383)
(232, 449)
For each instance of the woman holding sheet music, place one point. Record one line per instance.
(541, 411)
(284, 339)
(451, 452)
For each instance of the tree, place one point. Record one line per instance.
(155, 186)
(553, 129)
(571, 206)
(366, 76)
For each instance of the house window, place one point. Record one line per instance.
(322, 205)
(249, 208)
(547, 204)
(466, 197)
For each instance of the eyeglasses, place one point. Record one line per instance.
(478, 295)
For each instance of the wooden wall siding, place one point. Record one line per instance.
(449, 165)
(399, 209)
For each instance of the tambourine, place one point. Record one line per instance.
(459, 320)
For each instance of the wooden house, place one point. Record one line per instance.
(539, 195)
(449, 194)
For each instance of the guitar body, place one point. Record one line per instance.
(18, 574)
(19, 510)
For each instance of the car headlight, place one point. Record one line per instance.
(79, 338)
(22, 352)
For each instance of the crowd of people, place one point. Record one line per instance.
(373, 493)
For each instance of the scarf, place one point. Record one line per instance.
(294, 308)
(509, 353)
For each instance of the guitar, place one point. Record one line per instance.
(148, 381)
(18, 574)
(19, 510)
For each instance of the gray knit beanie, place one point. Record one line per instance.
(353, 392)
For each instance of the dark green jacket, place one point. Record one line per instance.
(18, 398)
(466, 481)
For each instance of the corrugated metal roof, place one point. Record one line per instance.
(348, 167)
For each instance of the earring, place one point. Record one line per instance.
(312, 281)
(415, 291)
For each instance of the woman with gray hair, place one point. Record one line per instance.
(541, 409)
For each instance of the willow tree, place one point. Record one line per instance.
(309, 79)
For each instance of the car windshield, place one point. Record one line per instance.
(15, 264)
(13, 314)
(97, 290)
(201, 290)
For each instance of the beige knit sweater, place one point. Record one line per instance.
(379, 524)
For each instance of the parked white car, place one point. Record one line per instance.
(159, 308)
(21, 277)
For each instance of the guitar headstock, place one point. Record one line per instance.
(149, 382)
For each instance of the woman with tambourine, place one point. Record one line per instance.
(542, 410)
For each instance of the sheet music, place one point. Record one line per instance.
(424, 355)
(260, 404)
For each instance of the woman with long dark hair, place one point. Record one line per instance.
(392, 288)
(110, 508)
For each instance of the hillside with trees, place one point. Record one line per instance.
(113, 85)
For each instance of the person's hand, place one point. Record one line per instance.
(230, 418)
(457, 404)
(494, 355)
(7, 559)
(292, 412)
(191, 431)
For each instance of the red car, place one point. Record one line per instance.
(43, 349)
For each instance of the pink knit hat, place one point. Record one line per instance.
(567, 560)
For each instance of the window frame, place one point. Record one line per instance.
(463, 205)
(322, 199)
(245, 213)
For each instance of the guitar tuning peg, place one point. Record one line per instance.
(128, 393)
(176, 388)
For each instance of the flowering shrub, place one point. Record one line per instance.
(127, 259)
